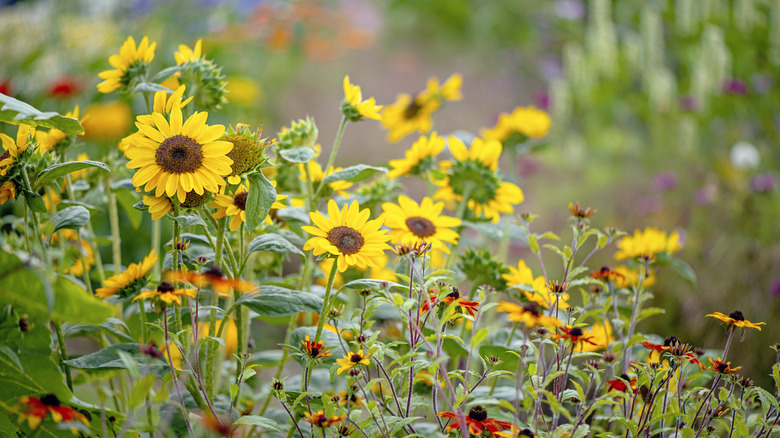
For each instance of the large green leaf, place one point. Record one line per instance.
(254, 420)
(29, 290)
(274, 301)
(71, 218)
(108, 359)
(274, 243)
(16, 112)
(61, 169)
(302, 154)
(261, 197)
(353, 173)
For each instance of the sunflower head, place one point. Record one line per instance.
(130, 64)
(354, 107)
(206, 78)
(481, 268)
(302, 132)
(247, 152)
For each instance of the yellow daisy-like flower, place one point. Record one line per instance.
(407, 115)
(185, 54)
(351, 360)
(521, 124)
(413, 223)
(600, 335)
(7, 192)
(449, 90)
(83, 248)
(354, 107)
(235, 206)
(131, 61)
(175, 158)
(12, 149)
(130, 280)
(737, 319)
(107, 120)
(347, 235)
(541, 295)
(529, 313)
(159, 206)
(166, 293)
(418, 160)
(647, 244)
(481, 151)
(630, 277)
(317, 175)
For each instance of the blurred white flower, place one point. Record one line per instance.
(744, 156)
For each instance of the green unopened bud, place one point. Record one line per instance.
(194, 200)
(206, 81)
(300, 133)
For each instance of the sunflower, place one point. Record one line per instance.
(474, 174)
(48, 140)
(354, 107)
(317, 175)
(131, 62)
(737, 319)
(235, 206)
(130, 280)
(167, 293)
(523, 279)
(477, 421)
(164, 103)
(347, 235)
(38, 408)
(528, 313)
(411, 223)
(418, 160)
(409, 114)
(351, 359)
(13, 149)
(647, 244)
(7, 192)
(185, 54)
(179, 157)
(518, 126)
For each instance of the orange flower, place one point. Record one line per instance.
(477, 421)
(721, 367)
(316, 350)
(452, 297)
(319, 419)
(620, 384)
(215, 279)
(575, 334)
(737, 319)
(38, 408)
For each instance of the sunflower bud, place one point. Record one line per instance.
(207, 81)
(300, 133)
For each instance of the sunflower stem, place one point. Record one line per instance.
(173, 373)
(36, 220)
(464, 202)
(113, 217)
(332, 158)
(326, 302)
(175, 254)
(63, 355)
(90, 231)
(156, 233)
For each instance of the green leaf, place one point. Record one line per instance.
(16, 112)
(25, 288)
(141, 388)
(492, 231)
(353, 173)
(71, 218)
(261, 197)
(479, 336)
(61, 169)
(302, 154)
(166, 73)
(254, 420)
(108, 359)
(368, 283)
(148, 87)
(35, 202)
(188, 220)
(274, 243)
(40, 376)
(684, 270)
(275, 301)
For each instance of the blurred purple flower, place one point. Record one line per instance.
(688, 103)
(774, 289)
(570, 9)
(649, 204)
(704, 196)
(550, 66)
(527, 165)
(542, 100)
(762, 84)
(763, 183)
(665, 181)
(735, 86)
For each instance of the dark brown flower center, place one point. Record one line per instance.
(737, 315)
(421, 227)
(213, 272)
(576, 332)
(525, 433)
(532, 308)
(478, 413)
(454, 294)
(355, 358)
(314, 352)
(240, 200)
(50, 400)
(346, 239)
(179, 154)
(671, 340)
(193, 199)
(165, 287)
(412, 110)
(722, 367)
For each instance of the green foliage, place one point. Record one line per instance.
(16, 112)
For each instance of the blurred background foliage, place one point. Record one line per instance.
(665, 112)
